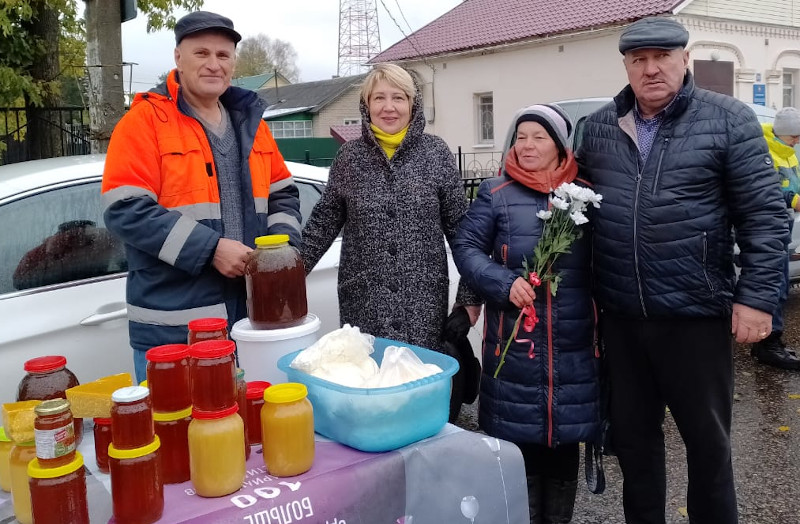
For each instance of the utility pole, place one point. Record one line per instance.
(104, 61)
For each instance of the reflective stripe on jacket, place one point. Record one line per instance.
(161, 197)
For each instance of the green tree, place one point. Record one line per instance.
(43, 56)
(261, 54)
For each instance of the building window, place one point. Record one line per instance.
(788, 88)
(352, 121)
(485, 120)
(291, 129)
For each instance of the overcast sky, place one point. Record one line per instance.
(311, 26)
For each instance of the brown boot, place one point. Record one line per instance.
(559, 500)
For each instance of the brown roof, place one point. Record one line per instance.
(483, 23)
(344, 133)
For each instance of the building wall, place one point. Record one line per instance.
(781, 12)
(589, 65)
(343, 108)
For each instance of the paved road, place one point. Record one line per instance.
(766, 447)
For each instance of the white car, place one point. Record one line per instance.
(65, 295)
(59, 300)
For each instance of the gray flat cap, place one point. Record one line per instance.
(653, 32)
(204, 21)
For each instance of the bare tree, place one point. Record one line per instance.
(261, 54)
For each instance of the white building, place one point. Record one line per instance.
(485, 59)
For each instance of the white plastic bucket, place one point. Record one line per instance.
(260, 349)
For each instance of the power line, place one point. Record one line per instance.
(407, 37)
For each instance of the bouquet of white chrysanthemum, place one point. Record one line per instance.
(568, 204)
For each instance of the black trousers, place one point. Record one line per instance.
(687, 365)
(560, 463)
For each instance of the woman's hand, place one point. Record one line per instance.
(521, 294)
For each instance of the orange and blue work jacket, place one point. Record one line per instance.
(161, 197)
(785, 160)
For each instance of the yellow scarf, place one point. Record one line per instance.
(388, 142)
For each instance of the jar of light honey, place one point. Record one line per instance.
(20, 457)
(216, 451)
(5, 468)
(287, 430)
(58, 494)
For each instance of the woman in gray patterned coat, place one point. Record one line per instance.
(396, 194)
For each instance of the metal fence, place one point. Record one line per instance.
(62, 131)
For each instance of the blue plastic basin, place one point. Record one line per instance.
(380, 419)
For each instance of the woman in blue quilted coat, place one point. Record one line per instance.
(545, 397)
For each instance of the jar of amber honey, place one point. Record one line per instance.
(168, 377)
(102, 438)
(58, 494)
(216, 451)
(48, 378)
(276, 284)
(255, 400)
(173, 432)
(213, 372)
(137, 491)
(287, 430)
(201, 329)
(54, 433)
(131, 418)
(18, 460)
(5, 469)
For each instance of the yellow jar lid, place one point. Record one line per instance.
(284, 393)
(169, 416)
(272, 240)
(135, 452)
(3, 436)
(35, 470)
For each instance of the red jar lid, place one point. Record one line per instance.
(213, 415)
(167, 353)
(102, 421)
(255, 389)
(45, 364)
(212, 348)
(207, 324)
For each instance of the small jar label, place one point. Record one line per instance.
(54, 443)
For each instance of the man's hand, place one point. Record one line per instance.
(750, 325)
(521, 293)
(230, 257)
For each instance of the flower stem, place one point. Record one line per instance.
(510, 338)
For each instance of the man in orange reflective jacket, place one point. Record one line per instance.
(192, 176)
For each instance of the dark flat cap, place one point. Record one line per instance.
(653, 32)
(204, 21)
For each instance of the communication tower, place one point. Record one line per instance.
(359, 37)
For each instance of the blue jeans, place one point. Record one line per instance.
(140, 365)
(777, 317)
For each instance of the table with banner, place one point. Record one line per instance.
(454, 476)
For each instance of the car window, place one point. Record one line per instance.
(577, 136)
(309, 196)
(56, 236)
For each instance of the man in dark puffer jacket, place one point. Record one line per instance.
(678, 168)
